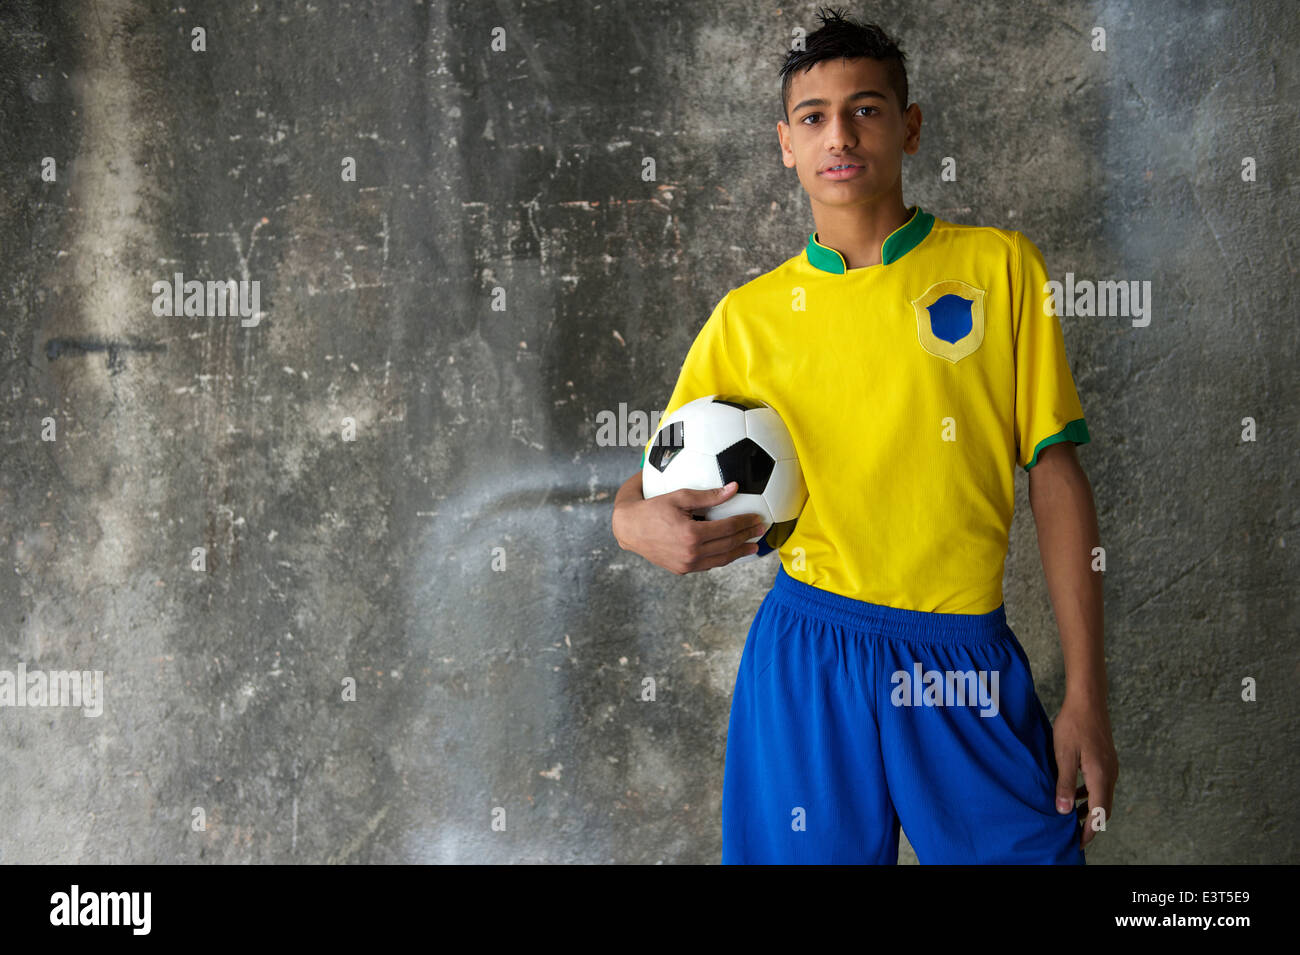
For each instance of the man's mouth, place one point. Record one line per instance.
(843, 170)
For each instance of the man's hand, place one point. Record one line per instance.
(664, 532)
(1083, 740)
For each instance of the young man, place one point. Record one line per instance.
(916, 366)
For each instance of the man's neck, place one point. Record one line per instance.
(858, 232)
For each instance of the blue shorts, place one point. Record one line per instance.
(850, 717)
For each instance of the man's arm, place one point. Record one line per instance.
(1060, 497)
(665, 532)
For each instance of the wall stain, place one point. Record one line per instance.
(58, 347)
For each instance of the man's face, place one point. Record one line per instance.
(843, 112)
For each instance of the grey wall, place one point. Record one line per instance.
(477, 428)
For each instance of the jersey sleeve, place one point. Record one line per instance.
(1047, 405)
(713, 366)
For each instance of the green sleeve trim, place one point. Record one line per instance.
(1076, 431)
(643, 457)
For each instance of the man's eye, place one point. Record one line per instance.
(873, 110)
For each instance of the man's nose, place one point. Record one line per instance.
(839, 133)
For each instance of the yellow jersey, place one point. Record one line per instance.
(912, 389)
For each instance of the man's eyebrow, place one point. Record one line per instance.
(860, 94)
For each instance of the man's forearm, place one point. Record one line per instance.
(1061, 499)
(628, 493)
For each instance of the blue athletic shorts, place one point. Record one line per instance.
(850, 717)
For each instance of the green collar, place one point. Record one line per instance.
(896, 245)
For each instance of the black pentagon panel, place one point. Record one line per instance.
(737, 401)
(746, 463)
(668, 443)
(780, 532)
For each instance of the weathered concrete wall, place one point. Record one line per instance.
(482, 686)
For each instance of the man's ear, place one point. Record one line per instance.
(912, 129)
(783, 135)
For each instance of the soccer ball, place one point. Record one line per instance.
(711, 441)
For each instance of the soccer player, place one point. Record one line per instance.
(916, 366)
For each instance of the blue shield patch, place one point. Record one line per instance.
(950, 318)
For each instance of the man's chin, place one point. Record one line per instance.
(841, 196)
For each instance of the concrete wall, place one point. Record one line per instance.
(476, 428)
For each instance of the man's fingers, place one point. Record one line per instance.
(727, 557)
(744, 527)
(1067, 765)
(1098, 790)
(1100, 784)
(726, 528)
(690, 499)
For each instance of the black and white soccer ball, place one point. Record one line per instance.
(712, 441)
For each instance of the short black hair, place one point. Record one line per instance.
(839, 38)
